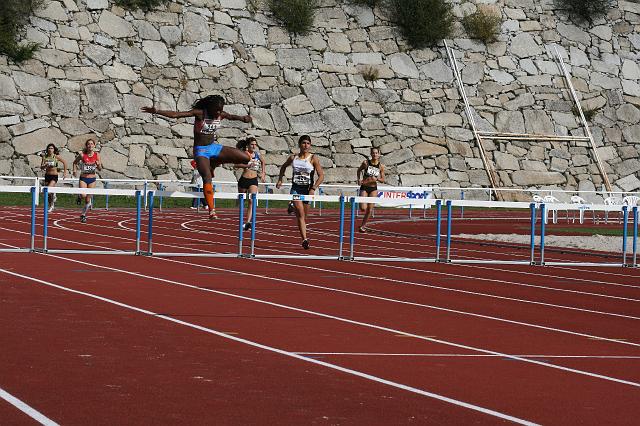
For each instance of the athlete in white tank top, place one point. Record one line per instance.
(304, 165)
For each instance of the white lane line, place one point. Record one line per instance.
(27, 409)
(383, 354)
(347, 321)
(403, 282)
(185, 225)
(364, 295)
(448, 274)
(181, 216)
(280, 351)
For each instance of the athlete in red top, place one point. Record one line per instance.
(88, 161)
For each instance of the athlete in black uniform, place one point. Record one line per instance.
(372, 172)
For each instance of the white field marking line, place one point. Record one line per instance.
(437, 308)
(562, 277)
(425, 285)
(409, 269)
(405, 282)
(383, 354)
(185, 226)
(27, 409)
(281, 351)
(342, 319)
(607, 272)
(389, 241)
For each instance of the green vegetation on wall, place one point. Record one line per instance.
(482, 25)
(585, 10)
(14, 14)
(140, 4)
(296, 15)
(423, 23)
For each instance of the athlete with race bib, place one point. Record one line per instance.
(248, 182)
(51, 161)
(305, 164)
(207, 151)
(372, 172)
(88, 162)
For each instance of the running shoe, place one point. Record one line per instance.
(212, 214)
(78, 200)
(305, 244)
(83, 218)
(51, 208)
(247, 226)
(290, 208)
(362, 229)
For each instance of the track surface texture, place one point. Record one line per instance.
(117, 339)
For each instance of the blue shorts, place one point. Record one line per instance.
(207, 151)
(88, 180)
(300, 190)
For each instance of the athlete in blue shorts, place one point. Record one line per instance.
(207, 152)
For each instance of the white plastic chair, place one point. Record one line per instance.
(630, 201)
(578, 200)
(611, 201)
(549, 200)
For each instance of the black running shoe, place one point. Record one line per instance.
(247, 226)
(290, 208)
(83, 218)
(305, 244)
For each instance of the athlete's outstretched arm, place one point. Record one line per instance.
(243, 118)
(173, 114)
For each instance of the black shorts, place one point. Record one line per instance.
(49, 178)
(300, 190)
(244, 183)
(368, 188)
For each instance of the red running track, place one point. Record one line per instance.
(427, 343)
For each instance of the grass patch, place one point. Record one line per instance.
(295, 15)
(370, 73)
(423, 23)
(589, 114)
(14, 14)
(482, 25)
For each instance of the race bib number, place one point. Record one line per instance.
(373, 171)
(50, 163)
(89, 168)
(300, 179)
(209, 127)
(254, 165)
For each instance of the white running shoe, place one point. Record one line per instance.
(51, 208)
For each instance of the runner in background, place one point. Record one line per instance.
(305, 164)
(208, 153)
(50, 164)
(372, 172)
(88, 162)
(248, 182)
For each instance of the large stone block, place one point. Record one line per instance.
(114, 25)
(526, 178)
(65, 102)
(308, 123)
(7, 88)
(103, 98)
(36, 142)
(113, 160)
(337, 120)
(294, 58)
(426, 149)
(30, 83)
(196, 28)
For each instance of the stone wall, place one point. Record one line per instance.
(99, 64)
